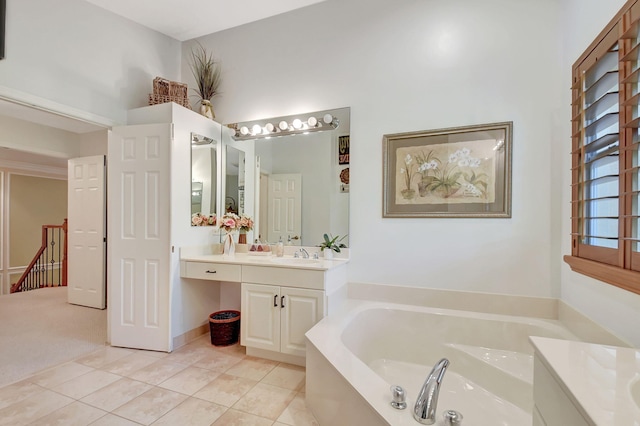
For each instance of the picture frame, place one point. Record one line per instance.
(459, 172)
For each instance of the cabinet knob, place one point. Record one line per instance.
(282, 302)
(210, 272)
(275, 300)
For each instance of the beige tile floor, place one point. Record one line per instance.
(198, 384)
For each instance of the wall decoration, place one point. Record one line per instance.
(455, 172)
(344, 180)
(343, 150)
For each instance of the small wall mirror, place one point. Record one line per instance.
(301, 184)
(204, 178)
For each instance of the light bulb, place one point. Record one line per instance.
(244, 130)
(312, 122)
(327, 118)
(269, 127)
(256, 129)
(283, 125)
(297, 124)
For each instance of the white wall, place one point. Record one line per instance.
(34, 138)
(610, 306)
(413, 65)
(81, 56)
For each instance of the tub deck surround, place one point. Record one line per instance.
(598, 384)
(355, 355)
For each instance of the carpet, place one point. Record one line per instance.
(39, 329)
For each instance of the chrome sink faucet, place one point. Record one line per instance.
(425, 409)
(301, 253)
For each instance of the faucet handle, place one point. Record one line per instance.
(452, 418)
(398, 397)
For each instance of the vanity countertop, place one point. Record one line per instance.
(602, 381)
(286, 261)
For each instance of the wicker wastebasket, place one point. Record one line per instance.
(224, 327)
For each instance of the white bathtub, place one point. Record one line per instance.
(356, 354)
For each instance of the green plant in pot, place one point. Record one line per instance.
(206, 72)
(331, 244)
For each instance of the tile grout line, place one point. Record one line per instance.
(296, 392)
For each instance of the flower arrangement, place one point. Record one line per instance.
(232, 222)
(245, 223)
(229, 222)
(198, 219)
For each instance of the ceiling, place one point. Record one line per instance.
(187, 19)
(179, 19)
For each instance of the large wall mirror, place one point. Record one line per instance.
(204, 179)
(301, 182)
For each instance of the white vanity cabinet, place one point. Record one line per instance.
(280, 299)
(275, 318)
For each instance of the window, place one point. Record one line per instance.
(605, 192)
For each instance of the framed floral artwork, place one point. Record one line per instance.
(455, 172)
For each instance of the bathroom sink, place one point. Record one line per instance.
(295, 260)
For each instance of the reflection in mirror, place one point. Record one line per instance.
(303, 187)
(196, 197)
(237, 177)
(234, 181)
(203, 180)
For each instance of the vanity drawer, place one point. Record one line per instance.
(213, 271)
(285, 277)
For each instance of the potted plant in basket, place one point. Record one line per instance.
(206, 72)
(331, 244)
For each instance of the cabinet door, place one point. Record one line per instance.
(301, 310)
(260, 321)
(139, 236)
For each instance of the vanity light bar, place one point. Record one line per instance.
(284, 127)
(200, 140)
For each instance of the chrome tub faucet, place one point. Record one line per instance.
(425, 409)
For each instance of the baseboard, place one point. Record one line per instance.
(190, 336)
(276, 356)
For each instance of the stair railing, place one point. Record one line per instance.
(49, 266)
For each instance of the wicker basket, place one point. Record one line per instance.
(169, 91)
(224, 327)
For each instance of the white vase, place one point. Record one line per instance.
(327, 253)
(206, 109)
(229, 248)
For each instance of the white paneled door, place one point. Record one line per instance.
(139, 236)
(285, 208)
(86, 283)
